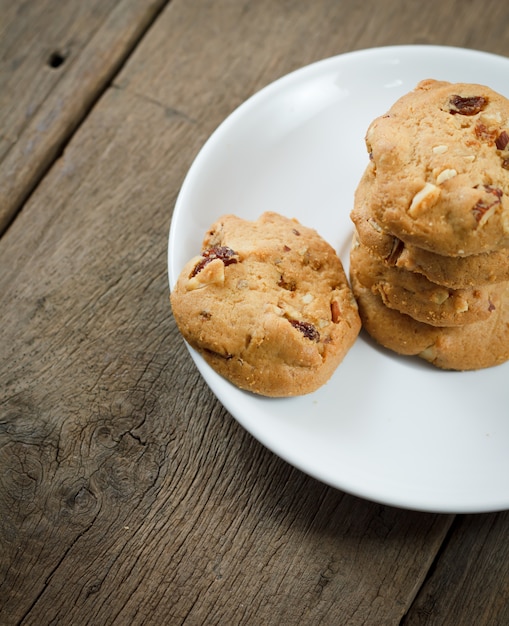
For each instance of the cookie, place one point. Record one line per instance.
(413, 294)
(380, 241)
(454, 272)
(267, 304)
(479, 270)
(470, 347)
(438, 175)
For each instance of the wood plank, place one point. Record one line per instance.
(56, 58)
(470, 581)
(128, 491)
(129, 495)
(229, 50)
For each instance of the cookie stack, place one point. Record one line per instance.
(430, 258)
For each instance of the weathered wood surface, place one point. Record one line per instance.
(56, 58)
(128, 495)
(470, 583)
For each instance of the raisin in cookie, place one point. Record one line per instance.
(438, 175)
(470, 347)
(267, 304)
(415, 295)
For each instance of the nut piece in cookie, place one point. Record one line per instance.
(438, 176)
(412, 293)
(267, 304)
(470, 347)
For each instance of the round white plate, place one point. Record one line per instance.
(391, 429)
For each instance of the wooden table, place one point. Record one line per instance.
(128, 495)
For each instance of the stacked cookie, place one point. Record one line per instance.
(430, 258)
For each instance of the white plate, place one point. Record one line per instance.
(390, 429)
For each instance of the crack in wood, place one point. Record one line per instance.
(23, 182)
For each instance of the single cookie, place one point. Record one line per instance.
(415, 295)
(439, 171)
(454, 272)
(267, 304)
(474, 346)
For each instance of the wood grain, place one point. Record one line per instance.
(128, 494)
(228, 50)
(469, 583)
(56, 58)
(124, 477)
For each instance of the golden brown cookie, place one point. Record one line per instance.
(267, 304)
(454, 272)
(415, 295)
(470, 347)
(438, 176)
(487, 268)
